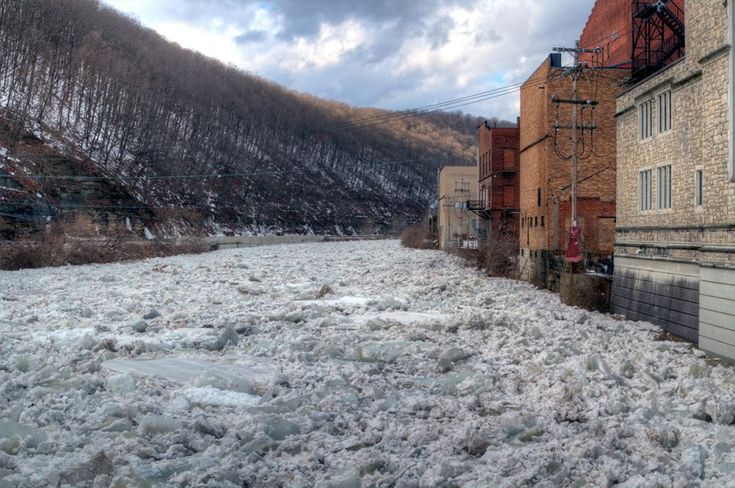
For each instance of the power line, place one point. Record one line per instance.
(457, 103)
(411, 113)
(426, 108)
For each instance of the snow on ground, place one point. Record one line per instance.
(342, 365)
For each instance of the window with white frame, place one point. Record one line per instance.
(645, 119)
(645, 190)
(663, 103)
(698, 188)
(663, 184)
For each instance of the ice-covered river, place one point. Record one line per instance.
(342, 365)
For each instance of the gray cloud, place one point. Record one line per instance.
(499, 43)
(251, 36)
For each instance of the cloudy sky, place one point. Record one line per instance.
(393, 54)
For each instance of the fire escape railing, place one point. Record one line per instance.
(659, 36)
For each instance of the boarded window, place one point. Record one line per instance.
(645, 119)
(663, 175)
(645, 190)
(664, 111)
(698, 188)
(509, 199)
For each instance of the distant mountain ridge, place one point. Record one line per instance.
(91, 99)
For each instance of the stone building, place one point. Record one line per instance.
(497, 167)
(675, 235)
(457, 225)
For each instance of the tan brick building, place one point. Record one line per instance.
(675, 236)
(546, 176)
(457, 225)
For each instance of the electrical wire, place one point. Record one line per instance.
(442, 106)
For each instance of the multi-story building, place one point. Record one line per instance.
(546, 147)
(675, 236)
(546, 174)
(497, 173)
(457, 225)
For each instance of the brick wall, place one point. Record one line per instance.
(610, 27)
(545, 182)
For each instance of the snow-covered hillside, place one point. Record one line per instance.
(342, 365)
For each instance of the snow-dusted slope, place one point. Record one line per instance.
(341, 365)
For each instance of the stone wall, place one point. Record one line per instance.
(655, 245)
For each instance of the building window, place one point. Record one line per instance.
(538, 197)
(663, 182)
(698, 188)
(664, 111)
(645, 119)
(645, 190)
(535, 221)
(542, 221)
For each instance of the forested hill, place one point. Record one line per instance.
(101, 115)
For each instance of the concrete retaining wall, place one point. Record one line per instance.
(662, 292)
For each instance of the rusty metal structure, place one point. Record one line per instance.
(659, 35)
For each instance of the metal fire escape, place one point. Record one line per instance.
(659, 36)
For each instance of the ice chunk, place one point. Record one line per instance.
(121, 384)
(721, 409)
(140, 326)
(450, 357)
(22, 364)
(216, 397)
(152, 314)
(385, 352)
(32, 435)
(228, 336)
(693, 460)
(348, 477)
(404, 318)
(478, 441)
(278, 428)
(187, 371)
(79, 473)
(158, 424)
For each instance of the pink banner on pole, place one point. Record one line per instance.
(573, 252)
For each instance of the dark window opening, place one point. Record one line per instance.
(538, 197)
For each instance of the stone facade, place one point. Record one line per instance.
(457, 225)
(546, 176)
(675, 263)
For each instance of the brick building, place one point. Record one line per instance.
(675, 236)
(497, 169)
(546, 174)
(609, 27)
(457, 225)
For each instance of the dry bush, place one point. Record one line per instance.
(499, 254)
(77, 240)
(418, 236)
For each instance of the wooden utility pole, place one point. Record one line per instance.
(575, 72)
